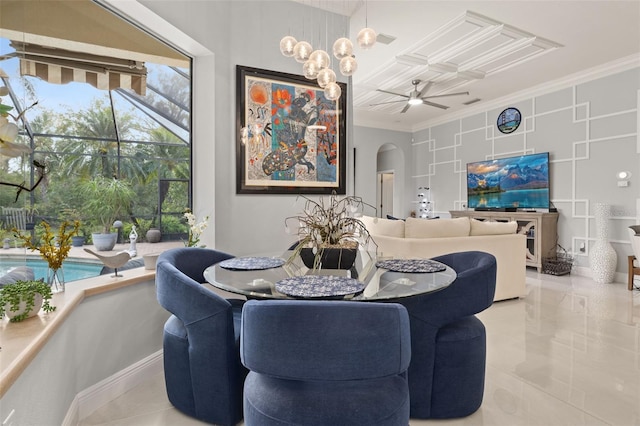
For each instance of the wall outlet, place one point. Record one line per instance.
(623, 183)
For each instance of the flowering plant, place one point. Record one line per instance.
(55, 247)
(195, 228)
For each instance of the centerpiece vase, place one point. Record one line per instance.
(55, 279)
(602, 256)
(330, 257)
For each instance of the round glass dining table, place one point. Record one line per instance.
(372, 277)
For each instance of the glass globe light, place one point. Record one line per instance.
(332, 91)
(286, 46)
(301, 51)
(310, 70)
(366, 38)
(342, 48)
(348, 65)
(321, 58)
(326, 76)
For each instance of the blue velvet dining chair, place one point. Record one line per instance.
(202, 368)
(448, 342)
(325, 363)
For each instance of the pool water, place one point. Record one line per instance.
(73, 270)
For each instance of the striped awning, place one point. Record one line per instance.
(60, 67)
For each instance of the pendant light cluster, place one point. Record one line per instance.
(316, 63)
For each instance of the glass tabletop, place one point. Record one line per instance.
(259, 277)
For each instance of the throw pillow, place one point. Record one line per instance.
(479, 227)
(20, 273)
(441, 228)
(384, 227)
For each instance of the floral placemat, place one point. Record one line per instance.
(252, 263)
(411, 266)
(319, 286)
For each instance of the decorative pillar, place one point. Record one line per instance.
(602, 256)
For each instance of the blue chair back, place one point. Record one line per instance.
(325, 363)
(470, 293)
(325, 340)
(446, 375)
(203, 373)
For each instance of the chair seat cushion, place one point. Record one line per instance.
(463, 329)
(273, 401)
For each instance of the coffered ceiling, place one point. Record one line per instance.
(495, 50)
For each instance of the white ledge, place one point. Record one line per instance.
(22, 341)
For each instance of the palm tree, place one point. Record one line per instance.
(98, 154)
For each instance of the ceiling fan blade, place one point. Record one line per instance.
(446, 94)
(390, 102)
(425, 88)
(405, 108)
(433, 104)
(392, 93)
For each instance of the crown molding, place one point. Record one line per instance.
(613, 67)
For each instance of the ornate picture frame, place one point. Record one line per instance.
(290, 139)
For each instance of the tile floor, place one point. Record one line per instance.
(566, 354)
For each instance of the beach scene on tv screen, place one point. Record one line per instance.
(515, 182)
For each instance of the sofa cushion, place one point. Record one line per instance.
(479, 227)
(441, 228)
(20, 273)
(386, 227)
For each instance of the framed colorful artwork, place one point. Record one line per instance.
(290, 137)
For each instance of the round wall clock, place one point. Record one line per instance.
(509, 120)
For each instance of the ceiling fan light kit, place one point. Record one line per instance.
(317, 63)
(416, 97)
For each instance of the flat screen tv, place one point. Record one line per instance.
(509, 183)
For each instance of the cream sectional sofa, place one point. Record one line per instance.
(422, 238)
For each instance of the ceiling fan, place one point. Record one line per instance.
(416, 97)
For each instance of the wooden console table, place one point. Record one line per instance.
(540, 229)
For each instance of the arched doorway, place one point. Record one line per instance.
(389, 174)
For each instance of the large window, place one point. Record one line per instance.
(135, 128)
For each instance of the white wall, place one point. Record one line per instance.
(367, 142)
(104, 335)
(243, 33)
(589, 127)
(586, 149)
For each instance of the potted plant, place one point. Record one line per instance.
(54, 248)
(73, 215)
(329, 233)
(195, 228)
(23, 299)
(106, 200)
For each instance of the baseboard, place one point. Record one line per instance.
(585, 271)
(94, 397)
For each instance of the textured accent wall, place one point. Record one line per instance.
(591, 132)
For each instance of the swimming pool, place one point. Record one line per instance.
(73, 269)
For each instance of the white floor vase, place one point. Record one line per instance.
(602, 256)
